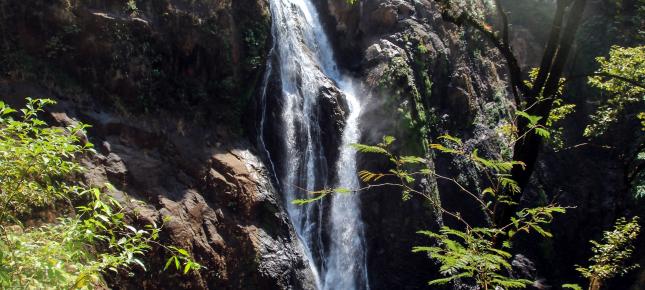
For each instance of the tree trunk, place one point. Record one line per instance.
(528, 149)
(595, 284)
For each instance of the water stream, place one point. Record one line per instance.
(333, 235)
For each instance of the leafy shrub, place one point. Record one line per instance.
(480, 254)
(38, 169)
(611, 256)
(621, 78)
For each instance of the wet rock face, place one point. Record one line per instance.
(332, 112)
(164, 84)
(409, 54)
(454, 82)
(216, 197)
(423, 77)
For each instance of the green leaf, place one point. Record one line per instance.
(131, 228)
(309, 200)
(411, 160)
(533, 120)
(183, 252)
(406, 195)
(387, 140)
(541, 231)
(451, 138)
(342, 190)
(445, 149)
(446, 280)
(368, 149)
(168, 263)
(544, 133)
(572, 286)
(138, 262)
(488, 190)
(367, 176)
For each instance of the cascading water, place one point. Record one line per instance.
(305, 62)
(347, 261)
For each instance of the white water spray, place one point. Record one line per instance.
(305, 64)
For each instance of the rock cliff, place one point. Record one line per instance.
(171, 89)
(166, 86)
(424, 77)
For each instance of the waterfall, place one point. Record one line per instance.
(333, 235)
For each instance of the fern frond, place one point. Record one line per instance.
(446, 280)
(309, 200)
(368, 148)
(411, 160)
(368, 176)
(445, 149)
(572, 286)
(452, 139)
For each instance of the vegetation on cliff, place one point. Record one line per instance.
(480, 253)
(203, 61)
(55, 231)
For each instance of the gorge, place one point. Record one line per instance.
(211, 117)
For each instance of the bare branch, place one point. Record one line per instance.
(549, 51)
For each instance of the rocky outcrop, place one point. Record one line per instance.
(141, 56)
(212, 195)
(218, 198)
(330, 114)
(424, 77)
(164, 85)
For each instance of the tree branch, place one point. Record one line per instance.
(632, 82)
(528, 150)
(549, 51)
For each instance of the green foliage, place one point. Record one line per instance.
(37, 171)
(618, 77)
(369, 149)
(62, 254)
(480, 254)
(470, 254)
(476, 9)
(559, 111)
(35, 160)
(318, 195)
(611, 255)
(552, 131)
(533, 219)
(638, 177)
(571, 286)
(131, 8)
(57, 45)
(406, 100)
